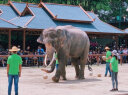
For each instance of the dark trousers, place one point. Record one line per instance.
(10, 81)
(40, 61)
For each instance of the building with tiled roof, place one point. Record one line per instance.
(31, 19)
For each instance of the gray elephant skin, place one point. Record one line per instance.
(69, 42)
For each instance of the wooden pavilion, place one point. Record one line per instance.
(24, 19)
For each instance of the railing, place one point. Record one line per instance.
(97, 56)
(5, 56)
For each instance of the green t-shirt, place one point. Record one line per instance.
(114, 64)
(57, 62)
(14, 61)
(108, 54)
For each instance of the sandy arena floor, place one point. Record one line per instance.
(32, 82)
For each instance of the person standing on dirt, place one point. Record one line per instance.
(14, 65)
(108, 58)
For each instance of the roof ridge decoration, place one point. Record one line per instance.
(86, 13)
(13, 19)
(33, 16)
(107, 23)
(1, 12)
(43, 5)
(125, 30)
(7, 21)
(62, 4)
(27, 11)
(96, 17)
(23, 2)
(12, 5)
(60, 19)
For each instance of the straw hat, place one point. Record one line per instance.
(14, 48)
(107, 48)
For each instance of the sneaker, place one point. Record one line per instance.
(116, 89)
(113, 89)
(105, 75)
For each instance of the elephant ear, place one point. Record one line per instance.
(61, 36)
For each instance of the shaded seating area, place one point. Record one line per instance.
(22, 23)
(28, 60)
(26, 19)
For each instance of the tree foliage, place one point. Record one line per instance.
(107, 10)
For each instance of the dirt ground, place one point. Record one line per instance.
(32, 83)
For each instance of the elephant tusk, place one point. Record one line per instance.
(51, 62)
(45, 60)
(53, 58)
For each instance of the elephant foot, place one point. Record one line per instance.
(77, 77)
(64, 78)
(81, 78)
(55, 79)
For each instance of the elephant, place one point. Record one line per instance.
(69, 42)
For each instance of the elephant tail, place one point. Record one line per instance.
(89, 67)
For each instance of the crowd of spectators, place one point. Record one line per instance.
(27, 61)
(95, 48)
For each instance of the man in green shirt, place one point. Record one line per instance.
(108, 58)
(14, 64)
(57, 62)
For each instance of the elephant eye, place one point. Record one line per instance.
(52, 35)
(46, 35)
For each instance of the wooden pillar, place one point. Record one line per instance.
(117, 41)
(121, 59)
(9, 39)
(24, 39)
(97, 58)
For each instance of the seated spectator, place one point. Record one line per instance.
(40, 51)
(2, 61)
(125, 51)
(35, 58)
(27, 52)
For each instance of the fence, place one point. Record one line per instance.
(100, 55)
(97, 56)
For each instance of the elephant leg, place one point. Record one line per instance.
(83, 61)
(57, 75)
(61, 69)
(76, 66)
(63, 74)
(82, 68)
(59, 72)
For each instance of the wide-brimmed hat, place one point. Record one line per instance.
(14, 48)
(107, 48)
(114, 52)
